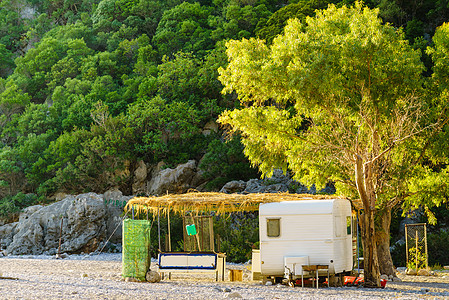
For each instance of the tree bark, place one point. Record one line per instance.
(370, 258)
(363, 178)
(383, 220)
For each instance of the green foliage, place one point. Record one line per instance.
(239, 234)
(275, 24)
(6, 61)
(224, 161)
(417, 258)
(184, 28)
(14, 204)
(437, 245)
(320, 72)
(12, 25)
(157, 125)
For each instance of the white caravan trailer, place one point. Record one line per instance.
(307, 233)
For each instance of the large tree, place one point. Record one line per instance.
(338, 98)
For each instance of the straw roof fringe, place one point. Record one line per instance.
(221, 203)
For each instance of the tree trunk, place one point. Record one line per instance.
(383, 220)
(365, 187)
(370, 258)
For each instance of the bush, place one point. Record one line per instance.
(14, 204)
(239, 234)
(437, 245)
(225, 161)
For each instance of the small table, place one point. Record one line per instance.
(314, 268)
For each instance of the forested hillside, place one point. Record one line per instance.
(89, 88)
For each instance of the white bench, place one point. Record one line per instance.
(192, 262)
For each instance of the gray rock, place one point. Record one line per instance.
(198, 180)
(140, 178)
(210, 127)
(234, 295)
(7, 234)
(153, 277)
(397, 279)
(276, 188)
(28, 211)
(254, 186)
(423, 272)
(384, 276)
(278, 177)
(411, 272)
(234, 186)
(61, 256)
(83, 227)
(177, 180)
(227, 290)
(301, 188)
(115, 201)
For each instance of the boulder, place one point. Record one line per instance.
(177, 180)
(234, 186)
(115, 201)
(254, 186)
(411, 272)
(234, 295)
(153, 277)
(263, 186)
(6, 234)
(83, 227)
(396, 279)
(384, 276)
(28, 211)
(423, 272)
(276, 188)
(210, 127)
(140, 178)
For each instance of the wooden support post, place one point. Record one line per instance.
(211, 234)
(169, 235)
(158, 229)
(60, 239)
(416, 249)
(425, 247)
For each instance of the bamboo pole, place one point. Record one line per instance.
(169, 229)
(159, 229)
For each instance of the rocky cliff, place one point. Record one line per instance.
(83, 222)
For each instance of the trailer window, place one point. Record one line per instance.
(348, 225)
(338, 226)
(273, 227)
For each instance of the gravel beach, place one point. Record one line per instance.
(99, 277)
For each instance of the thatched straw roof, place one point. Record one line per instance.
(198, 202)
